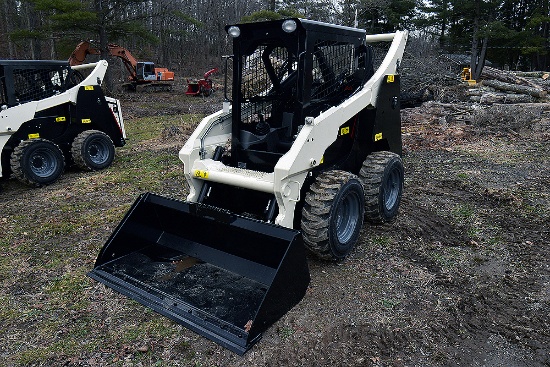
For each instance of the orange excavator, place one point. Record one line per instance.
(142, 73)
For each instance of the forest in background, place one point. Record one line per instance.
(188, 36)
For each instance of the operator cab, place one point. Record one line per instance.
(283, 72)
(32, 80)
(145, 70)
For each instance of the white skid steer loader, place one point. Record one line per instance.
(52, 115)
(309, 147)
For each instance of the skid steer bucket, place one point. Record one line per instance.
(226, 277)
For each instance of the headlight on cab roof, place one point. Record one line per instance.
(234, 31)
(289, 25)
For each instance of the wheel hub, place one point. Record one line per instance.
(347, 218)
(43, 163)
(98, 152)
(391, 188)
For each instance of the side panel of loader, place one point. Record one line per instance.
(62, 123)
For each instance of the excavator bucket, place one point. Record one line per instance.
(224, 276)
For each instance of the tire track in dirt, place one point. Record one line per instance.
(505, 301)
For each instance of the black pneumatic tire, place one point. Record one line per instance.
(333, 214)
(37, 162)
(93, 150)
(382, 174)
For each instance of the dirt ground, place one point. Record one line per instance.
(462, 278)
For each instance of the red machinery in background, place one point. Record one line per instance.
(201, 86)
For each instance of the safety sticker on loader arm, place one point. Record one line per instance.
(88, 87)
(86, 121)
(60, 119)
(201, 174)
(34, 136)
(390, 78)
(378, 137)
(344, 130)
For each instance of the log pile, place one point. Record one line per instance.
(506, 87)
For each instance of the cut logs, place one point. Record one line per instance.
(506, 87)
(521, 89)
(490, 73)
(506, 98)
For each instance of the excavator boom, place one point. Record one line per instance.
(85, 48)
(140, 72)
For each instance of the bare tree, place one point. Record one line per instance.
(479, 45)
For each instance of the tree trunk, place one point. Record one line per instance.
(8, 25)
(33, 22)
(507, 98)
(444, 21)
(101, 10)
(522, 89)
(477, 61)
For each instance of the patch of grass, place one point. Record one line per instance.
(52, 351)
(540, 210)
(6, 311)
(68, 290)
(45, 251)
(131, 334)
(389, 304)
(57, 226)
(154, 328)
(381, 241)
(32, 356)
(145, 174)
(115, 213)
(463, 212)
(447, 258)
(285, 332)
(147, 128)
(185, 350)
(473, 232)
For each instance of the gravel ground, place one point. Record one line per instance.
(462, 277)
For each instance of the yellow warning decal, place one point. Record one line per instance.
(89, 87)
(391, 78)
(344, 130)
(378, 137)
(86, 121)
(34, 136)
(322, 160)
(60, 119)
(201, 174)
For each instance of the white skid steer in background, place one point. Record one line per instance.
(52, 115)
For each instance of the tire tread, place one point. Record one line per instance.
(19, 171)
(372, 174)
(78, 145)
(317, 209)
